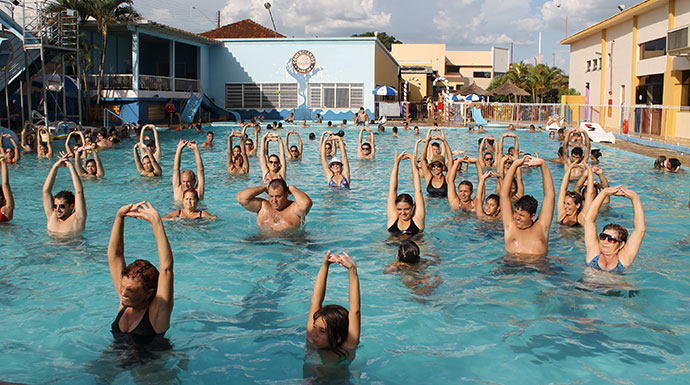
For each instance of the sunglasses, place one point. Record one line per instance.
(608, 238)
(273, 162)
(366, 149)
(489, 159)
(436, 165)
(60, 206)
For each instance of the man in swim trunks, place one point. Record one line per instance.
(362, 118)
(523, 235)
(187, 179)
(65, 212)
(209, 140)
(277, 213)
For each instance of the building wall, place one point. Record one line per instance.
(433, 55)
(386, 69)
(581, 52)
(338, 60)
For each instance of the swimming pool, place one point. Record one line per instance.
(241, 299)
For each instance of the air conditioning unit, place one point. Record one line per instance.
(677, 42)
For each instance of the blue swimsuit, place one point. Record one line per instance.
(595, 264)
(343, 183)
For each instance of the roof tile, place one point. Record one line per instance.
(243, 29)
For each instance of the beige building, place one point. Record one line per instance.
(633, 68)
(427, 62)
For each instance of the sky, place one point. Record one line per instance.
(460, 24)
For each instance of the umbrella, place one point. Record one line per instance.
(54, 83)
(474, 89)
(508, 88)
(456, 97)
(6, 142)
(384, 91)
(473, 98)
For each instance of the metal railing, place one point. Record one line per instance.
(146, 83)
(106, 117)
(155, 83)
(111, 81)
(187, 85)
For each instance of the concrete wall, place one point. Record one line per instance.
(338, 60)
(386, 69)
(433, 55)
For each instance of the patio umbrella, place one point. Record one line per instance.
(474, 89)
(456, 98)
(384, 91)
(508, 88)
(473, 98)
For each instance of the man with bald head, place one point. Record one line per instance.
(187, 179)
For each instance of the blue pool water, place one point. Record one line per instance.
(241, 299)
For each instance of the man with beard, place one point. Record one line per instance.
(66, 211)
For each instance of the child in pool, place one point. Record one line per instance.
(332, 331)
(412, 268)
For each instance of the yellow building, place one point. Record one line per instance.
(427, 62)
(633, 68)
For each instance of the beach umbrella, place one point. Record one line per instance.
(456, 98)
(474, 89)
(473, 98)
(384, 91)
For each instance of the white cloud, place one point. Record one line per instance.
(161, 14)
(312, 17)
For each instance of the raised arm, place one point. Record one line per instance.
(420, 209)
(22, 138)
(632, 246)
(566, 144)
(480, 156)
(247, 198)
(324, 163)
(137, 158)
(176, 163)
(588, 146)
(200, 175)
(116, 246)
(447, 150)
(283, 161)
(506, 203)
(263, 157)
(479, 195)
(359, 143)
(100, 171)
(302, 201)
(354, 313)
(547, 206)
(591, 238)
(49, 144)
(8, 209)
(79, 199)
(560, 203)
(48, 185)
(391, 211)
(287, 145)
(77, 160)
(319, 292)
(423, 162)
(299, 144)
(372, 142)
(346, 163)
(453, 198)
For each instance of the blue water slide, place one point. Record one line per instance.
(208, 104)
(477, 116)
(191, 108)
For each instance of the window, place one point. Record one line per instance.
(481, 74)
(595, 62)
(589, 65)
(653, 48)
(261, 95)
(336, 95)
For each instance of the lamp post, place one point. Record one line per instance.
(267, 5)
(558, 5)
(203, 14)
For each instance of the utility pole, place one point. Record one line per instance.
(218, 18)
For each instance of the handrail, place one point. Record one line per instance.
(106, 117)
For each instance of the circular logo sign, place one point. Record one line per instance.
(303, 61)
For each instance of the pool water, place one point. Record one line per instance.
(242, 298)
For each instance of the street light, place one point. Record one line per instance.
(558, 5)
(204, 15)
(267, 5)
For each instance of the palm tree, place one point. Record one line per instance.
(106, 13)
(539, 80)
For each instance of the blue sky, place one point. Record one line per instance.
(460, 24)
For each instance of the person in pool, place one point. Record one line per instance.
(6, 197)
(272, 167)
(337, 171)
(187, 179)
(278, 212)
(333, 331)
(93, 168)
(290, 118)
(146, 293)
(366, 149)
(293, 152)
(403, 216)
(154, 144)
(11, 153)
(571, 205)
(209, 139)
(613, 251)
(66, 211)
(250, 148)
(491, 208)
(462, 198)
(669, 165)
(412, 268)
(190, 201)
(523, 235)
(362, 118)
(238, 164)
(45, 147)
(146, 165)
(434, 171)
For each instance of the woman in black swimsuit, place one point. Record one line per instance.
(190, 200)
(146, 294)
(404, 217)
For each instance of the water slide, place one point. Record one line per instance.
(597, 134)
(191, 108)
(477, 116)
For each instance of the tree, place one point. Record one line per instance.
(385, 39)
(106, 13)
(545, 84)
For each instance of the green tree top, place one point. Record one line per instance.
(383, 37)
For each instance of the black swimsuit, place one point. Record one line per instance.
(440, 192)
(413, 229)
(143, 330)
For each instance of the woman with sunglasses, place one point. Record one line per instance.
(613, 251)
(337, 171)
(293, 152)
(404, 216)
(271, 166)
(434, 170)
(571, 205)
(366, 149)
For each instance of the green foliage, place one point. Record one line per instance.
(545, 84)
(384, 38)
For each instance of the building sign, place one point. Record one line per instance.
(303, 61)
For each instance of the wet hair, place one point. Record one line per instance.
(560, 131)
(238, 157)
(394, 129)
(577, 198)
(408, 252)
(330, 123)
(622, 231)
(192, 174)
(490, 142)
(527, 203)
(312, 136)
(341, 133)
(468, 184)
(211, 132)
(366, 144)
(407, 198)
(675, 163)
(277, 157)
(237, 146)
(560, 151)
(659, 162)
(596, 153)
(193, 191)
(435, 145)
(293, 147)
(417, 127)
(344, 121)
(66, 195)
(577, 151)
(279, 182)
(494, 197)
(337, 323)
(144, 271)
(90, 161)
